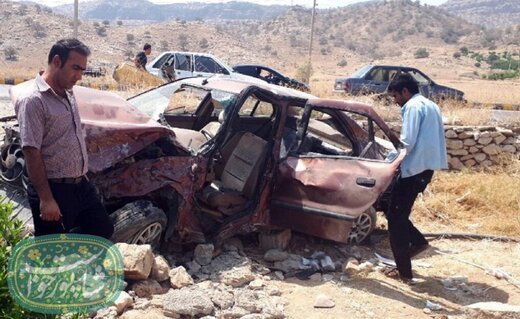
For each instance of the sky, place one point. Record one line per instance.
(307, 3)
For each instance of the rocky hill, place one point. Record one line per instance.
(372, 32)
(147, 11)
(489, 13)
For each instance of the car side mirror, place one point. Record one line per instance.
(225, 71)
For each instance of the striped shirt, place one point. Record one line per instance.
(51, 124)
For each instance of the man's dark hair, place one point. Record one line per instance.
(401, 81)
(147, 46)
(64, 46)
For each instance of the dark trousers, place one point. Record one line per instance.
(80, 207)
(403, 233)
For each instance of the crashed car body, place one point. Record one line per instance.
(270, 75)
(204, 159)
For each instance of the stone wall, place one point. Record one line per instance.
(478, 146)
(482, 146)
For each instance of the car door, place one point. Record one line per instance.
(377, 80)
(206, 66)
(331, 171)
(183, 65)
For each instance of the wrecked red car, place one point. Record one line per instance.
(203, 159)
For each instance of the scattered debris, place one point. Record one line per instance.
(324, 301)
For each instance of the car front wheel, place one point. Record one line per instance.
(138, 222)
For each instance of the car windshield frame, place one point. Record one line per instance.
(361, 72)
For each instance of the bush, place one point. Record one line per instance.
(457, 55)
(106, 22)
(203, 44)
(421, 53)
(10, 54)
(39, 30)
(130, 37)
(477, 64)
(119, 22)
(183, 42)
(11, 231)
(342, 63)
(101, 31)
(95, 24)
(304, 72)
(464, 51)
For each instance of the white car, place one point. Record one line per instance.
(173, 65)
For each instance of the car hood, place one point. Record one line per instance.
(113, 128)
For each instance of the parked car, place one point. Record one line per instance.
(373, 79)
(172, 65)
(270, 75)
(203, 159)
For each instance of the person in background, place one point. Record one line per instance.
(141, 58)
(60, 195)
(422, 135)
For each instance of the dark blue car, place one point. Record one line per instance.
(374, 79)
(270, 75)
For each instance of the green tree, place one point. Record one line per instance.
(10, 53)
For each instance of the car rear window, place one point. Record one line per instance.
(361, 72)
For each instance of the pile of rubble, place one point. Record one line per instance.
(228, 285)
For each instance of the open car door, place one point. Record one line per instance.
(334, 169)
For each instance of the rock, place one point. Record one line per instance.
(327, 277)
(433, 306)
(454, 144)
(248, 300)
(491, 149)
(273, 308)
(141, 304)
(508, 149)
(180, 278)
(323, 301)
(106, 313)
(470, 142)
(499, 139)
(450, 134)
(273, 255)
(256, 284)
(233, 313)
(293, 262)
(506, 132)
(480, 157)
(467, 157)
(495, 307)
(122, 302)
(140, 314)
(458, 152)
(231, 269)
(275, 239)
(203, 254)
(315, 277)
(427, 311)
(279, 275)
(470, 163)
(327, 264)
(366, 267)
(473, 150)
(193, 267)
(233, 244)
(188, 301)
(466, 135)
(223, 299)
(138, 260)
(486, 164)
(510, 140)
(455, 163)
(160, 269)
(351, 267)
(485, 140)
(146, 288)
(273, 291)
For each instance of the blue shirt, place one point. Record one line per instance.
(423, 137)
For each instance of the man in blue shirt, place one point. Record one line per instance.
(422, 135)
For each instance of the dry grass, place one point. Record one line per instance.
(473, 201)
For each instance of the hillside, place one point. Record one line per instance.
(344, 39)
(489, 13)
(147, 11)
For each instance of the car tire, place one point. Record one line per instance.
(138, 222)
(363, 226)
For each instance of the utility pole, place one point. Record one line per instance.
(76, 18)
(312, 30)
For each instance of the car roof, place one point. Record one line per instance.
(390, 66)
(256, 66)
(236, 86)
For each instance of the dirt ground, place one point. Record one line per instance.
(373, 295)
